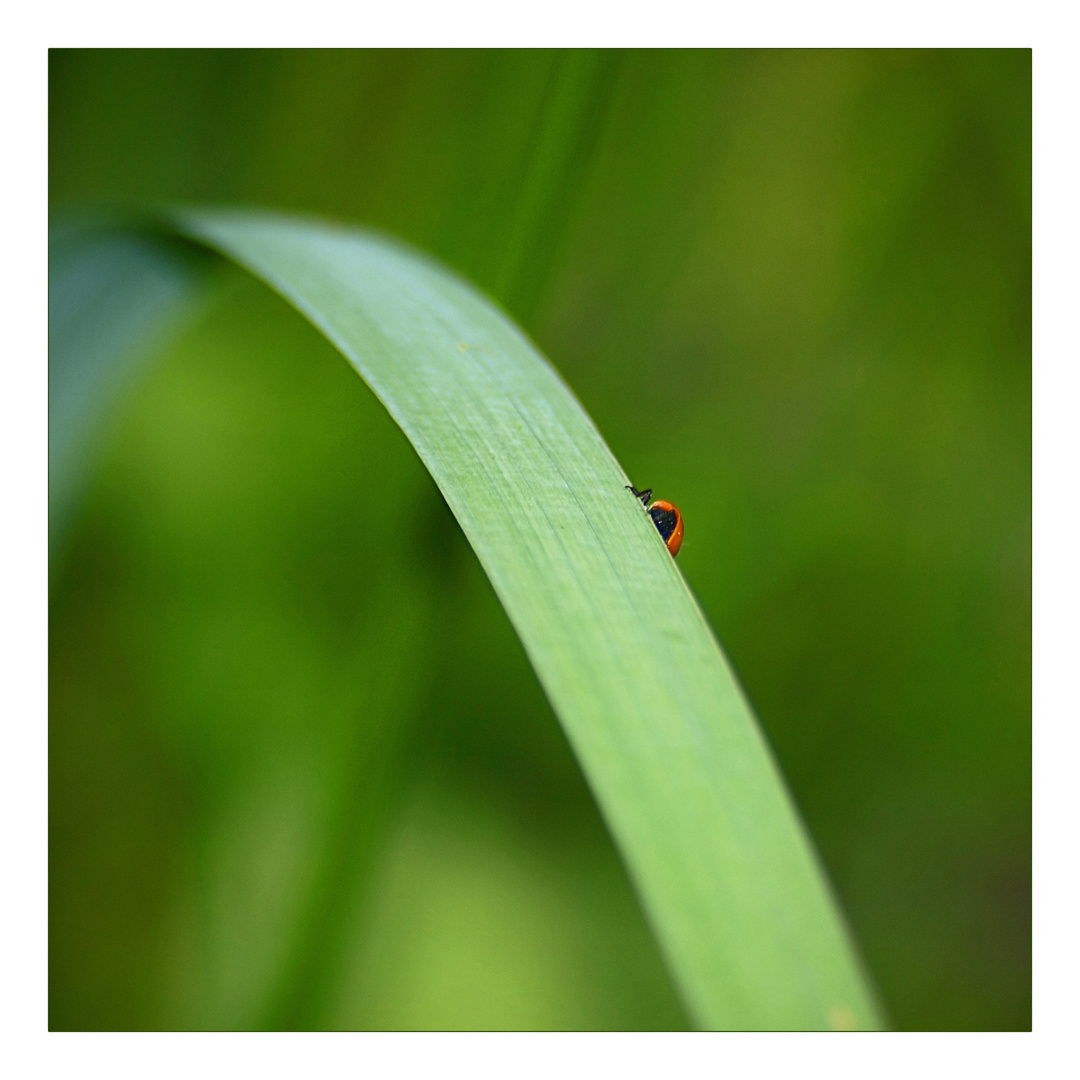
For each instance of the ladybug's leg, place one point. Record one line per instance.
(644, 496)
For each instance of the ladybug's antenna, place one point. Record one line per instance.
(644, 496)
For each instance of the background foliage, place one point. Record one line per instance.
(300, 771)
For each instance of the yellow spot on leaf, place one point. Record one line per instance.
(841, 1018)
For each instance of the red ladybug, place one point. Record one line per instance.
(666, 518)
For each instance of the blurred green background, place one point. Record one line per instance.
(301, 774)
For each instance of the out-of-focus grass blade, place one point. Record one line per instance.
(111, 293)
(677, 762)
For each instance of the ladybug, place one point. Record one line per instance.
(666, 518)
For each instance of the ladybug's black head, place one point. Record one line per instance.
(665, 521)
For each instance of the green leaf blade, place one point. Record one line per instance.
(678, 764)
(112, 291)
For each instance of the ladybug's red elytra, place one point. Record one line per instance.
(666, 518)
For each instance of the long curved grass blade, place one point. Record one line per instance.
(674, 755)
